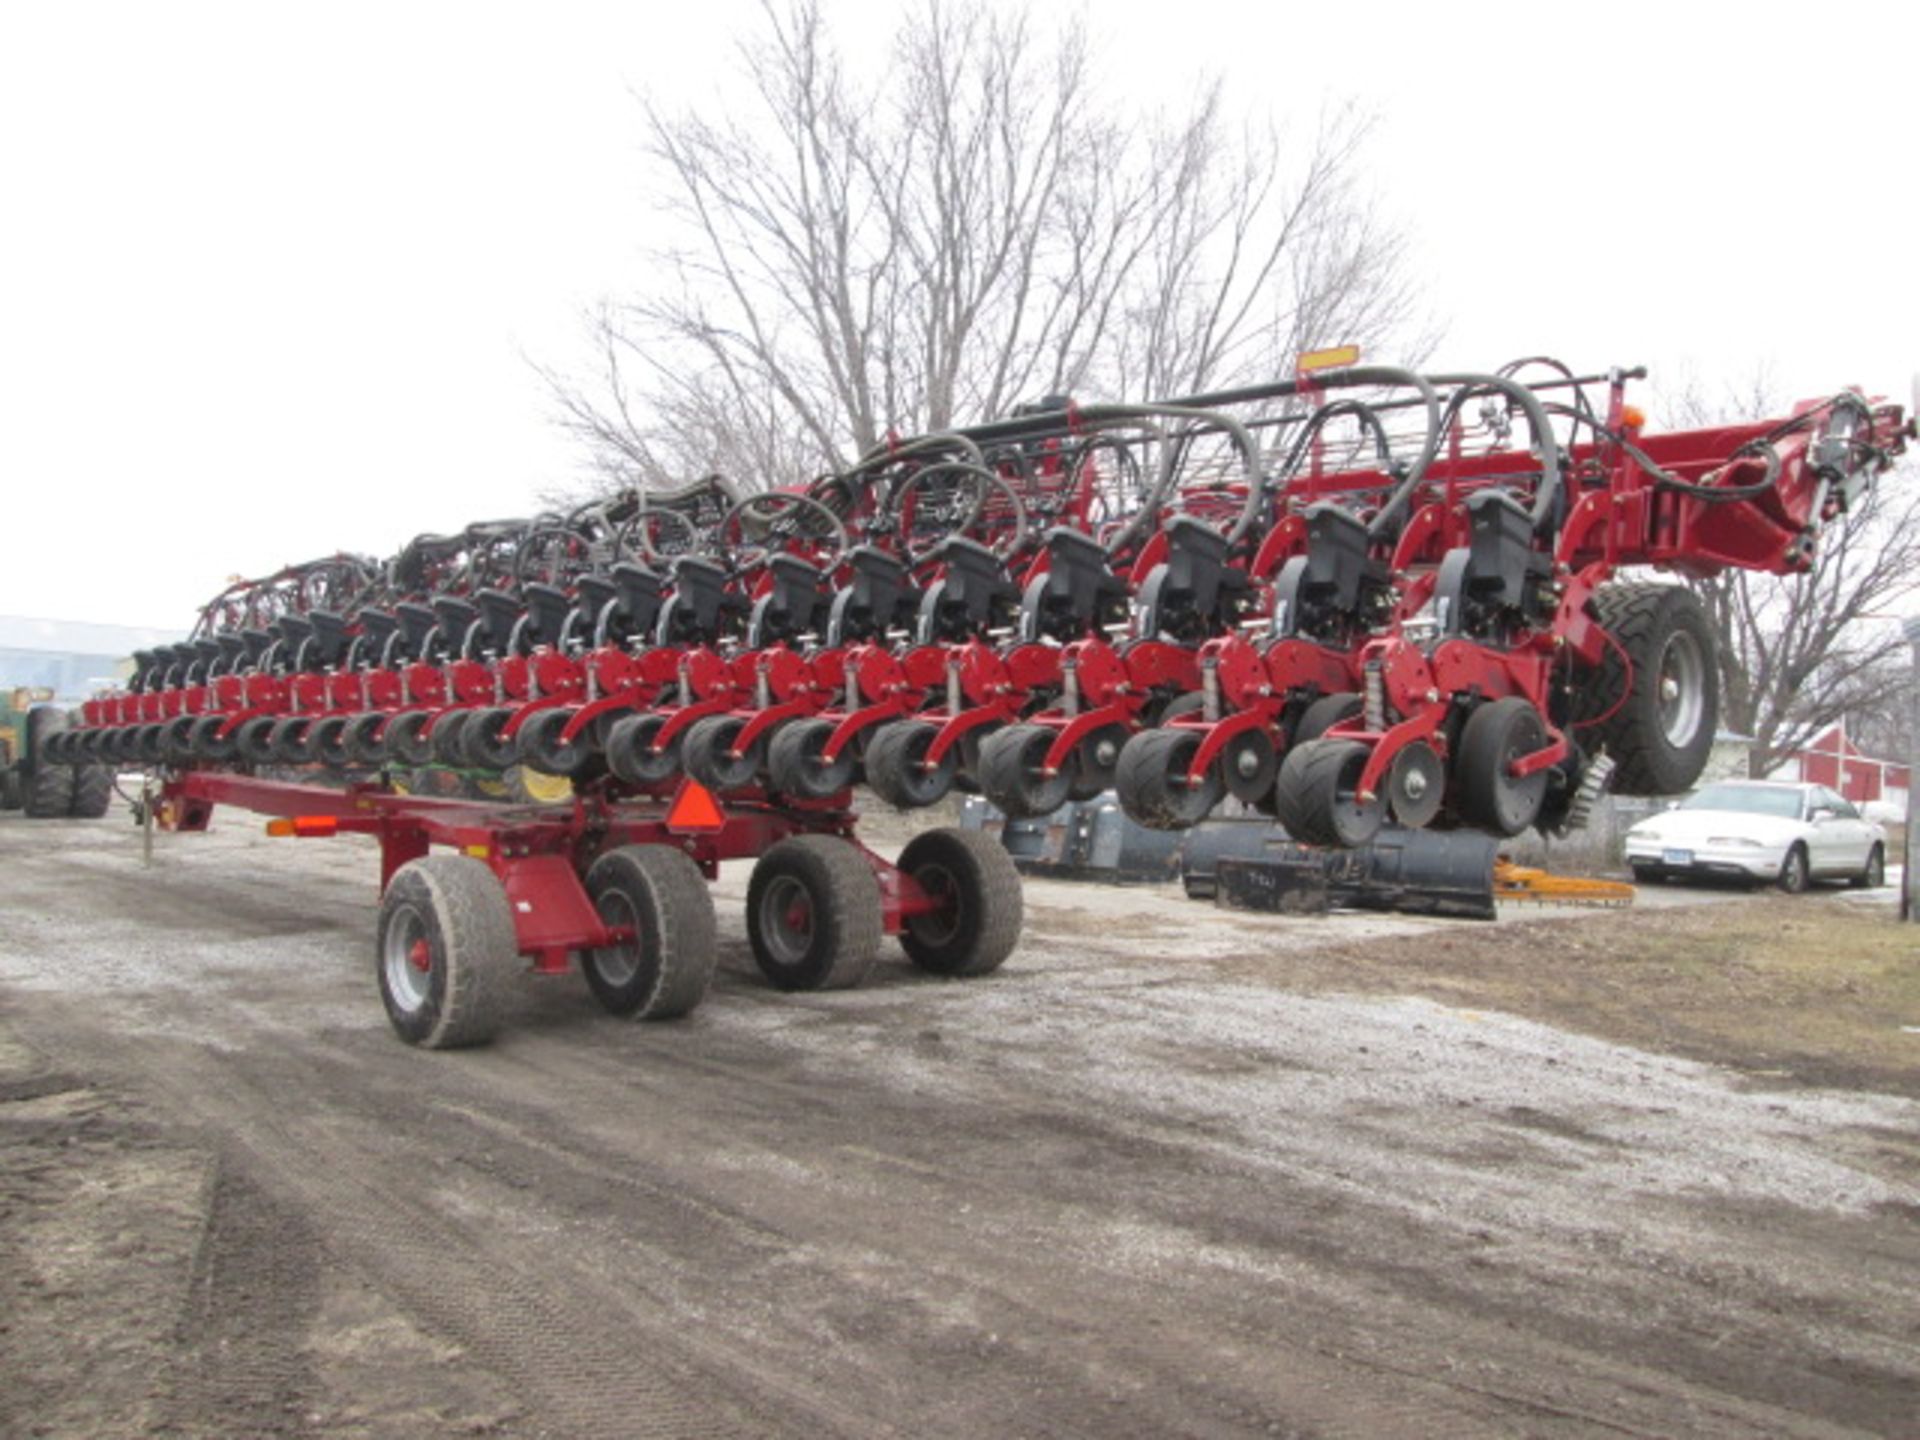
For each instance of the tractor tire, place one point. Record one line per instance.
(92, 792)
(12, 793)
(658, 893)
(979, 924)
(1009, 772)
(1495, 735)
(813, 914)
(1658, 721)
(447, 959)
(1315, 796)
(46, 789)
(896, 768)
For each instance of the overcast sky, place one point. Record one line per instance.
(269, 274)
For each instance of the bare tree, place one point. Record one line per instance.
(971, 227)
(1799, 653)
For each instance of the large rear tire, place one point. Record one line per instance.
(982, 905)
(1658, 721)
(447, 958)
(813, 914)
(92, 792)
(46, 789)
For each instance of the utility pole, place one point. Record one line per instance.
(1910, 880)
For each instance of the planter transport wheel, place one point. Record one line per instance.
(813, 914)
(446, 957)
(657, 892)
(978, 922)
(1660, 727)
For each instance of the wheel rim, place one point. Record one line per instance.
(618, 965)
(407, 960)
(786, 920)
(942, 926)
(1682, 693)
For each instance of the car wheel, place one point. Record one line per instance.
(1875, 875)
(1794, 875)
(1645, 875)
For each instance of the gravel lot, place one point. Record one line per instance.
(1162, 1175)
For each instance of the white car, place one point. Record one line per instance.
(1760, 830)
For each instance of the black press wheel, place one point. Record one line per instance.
(405, 739)
(664, 970)
(444, 739)
(981, 905)
(209, 739)
(541, 748)
(1317, 796)
(1152, 780)
(1011, 775)
(447, 959)
(631, 754)
(481, 742)
(286, 741)
(1490, 795)
(813, 914)
(709, 753)
(252, 741)
(897, 769)
(362, 740)
(326, 741)
(1875, 874)
(1795, 874)
(797, 761)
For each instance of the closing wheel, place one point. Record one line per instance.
(406, 739)
(1010, 772)
(1490, 795)
(658, 893)
(481, 742)
(813, 914)
(897, 768)
(709, 758)
(630, 752)
(541, 748)
(1152, 780)
(1095, 759)
(1416, 784)
(1655, 706)
(797, 763)
(981, 903)
(1317, 796)
(447, 958)
(443, 740)
(361, 739)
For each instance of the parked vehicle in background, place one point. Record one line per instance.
(1760, 831)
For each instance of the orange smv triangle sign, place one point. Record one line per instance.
(694, 810)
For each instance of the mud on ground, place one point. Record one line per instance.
(1173, 1171)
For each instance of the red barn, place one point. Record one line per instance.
(1831, 759)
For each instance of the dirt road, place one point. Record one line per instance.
(1146, 1181)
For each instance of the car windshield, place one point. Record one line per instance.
(1746, 800)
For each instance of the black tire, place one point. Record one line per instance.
(1875, 875)
(1151, 780)
(979, 924)
(481, 742)
(1009, 772)
(1495, 735)
(326, 741)
(540, 748)
(206, 742)
(660, 894)
(1645, 875)
(252, 742)
(12, 792)
(797, 763)
(1659, 741)
(813, 914)
(526, 786)
(361, 738)
(405, 739)
(897, 770)
(46, 789)
(631, 756)
(92, 792)
(707, 756)
(446, 957)
(1316, 797)
(444, 740)
(286, 745)
(1795, 876)
(1096, 759)
(1323, 714)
